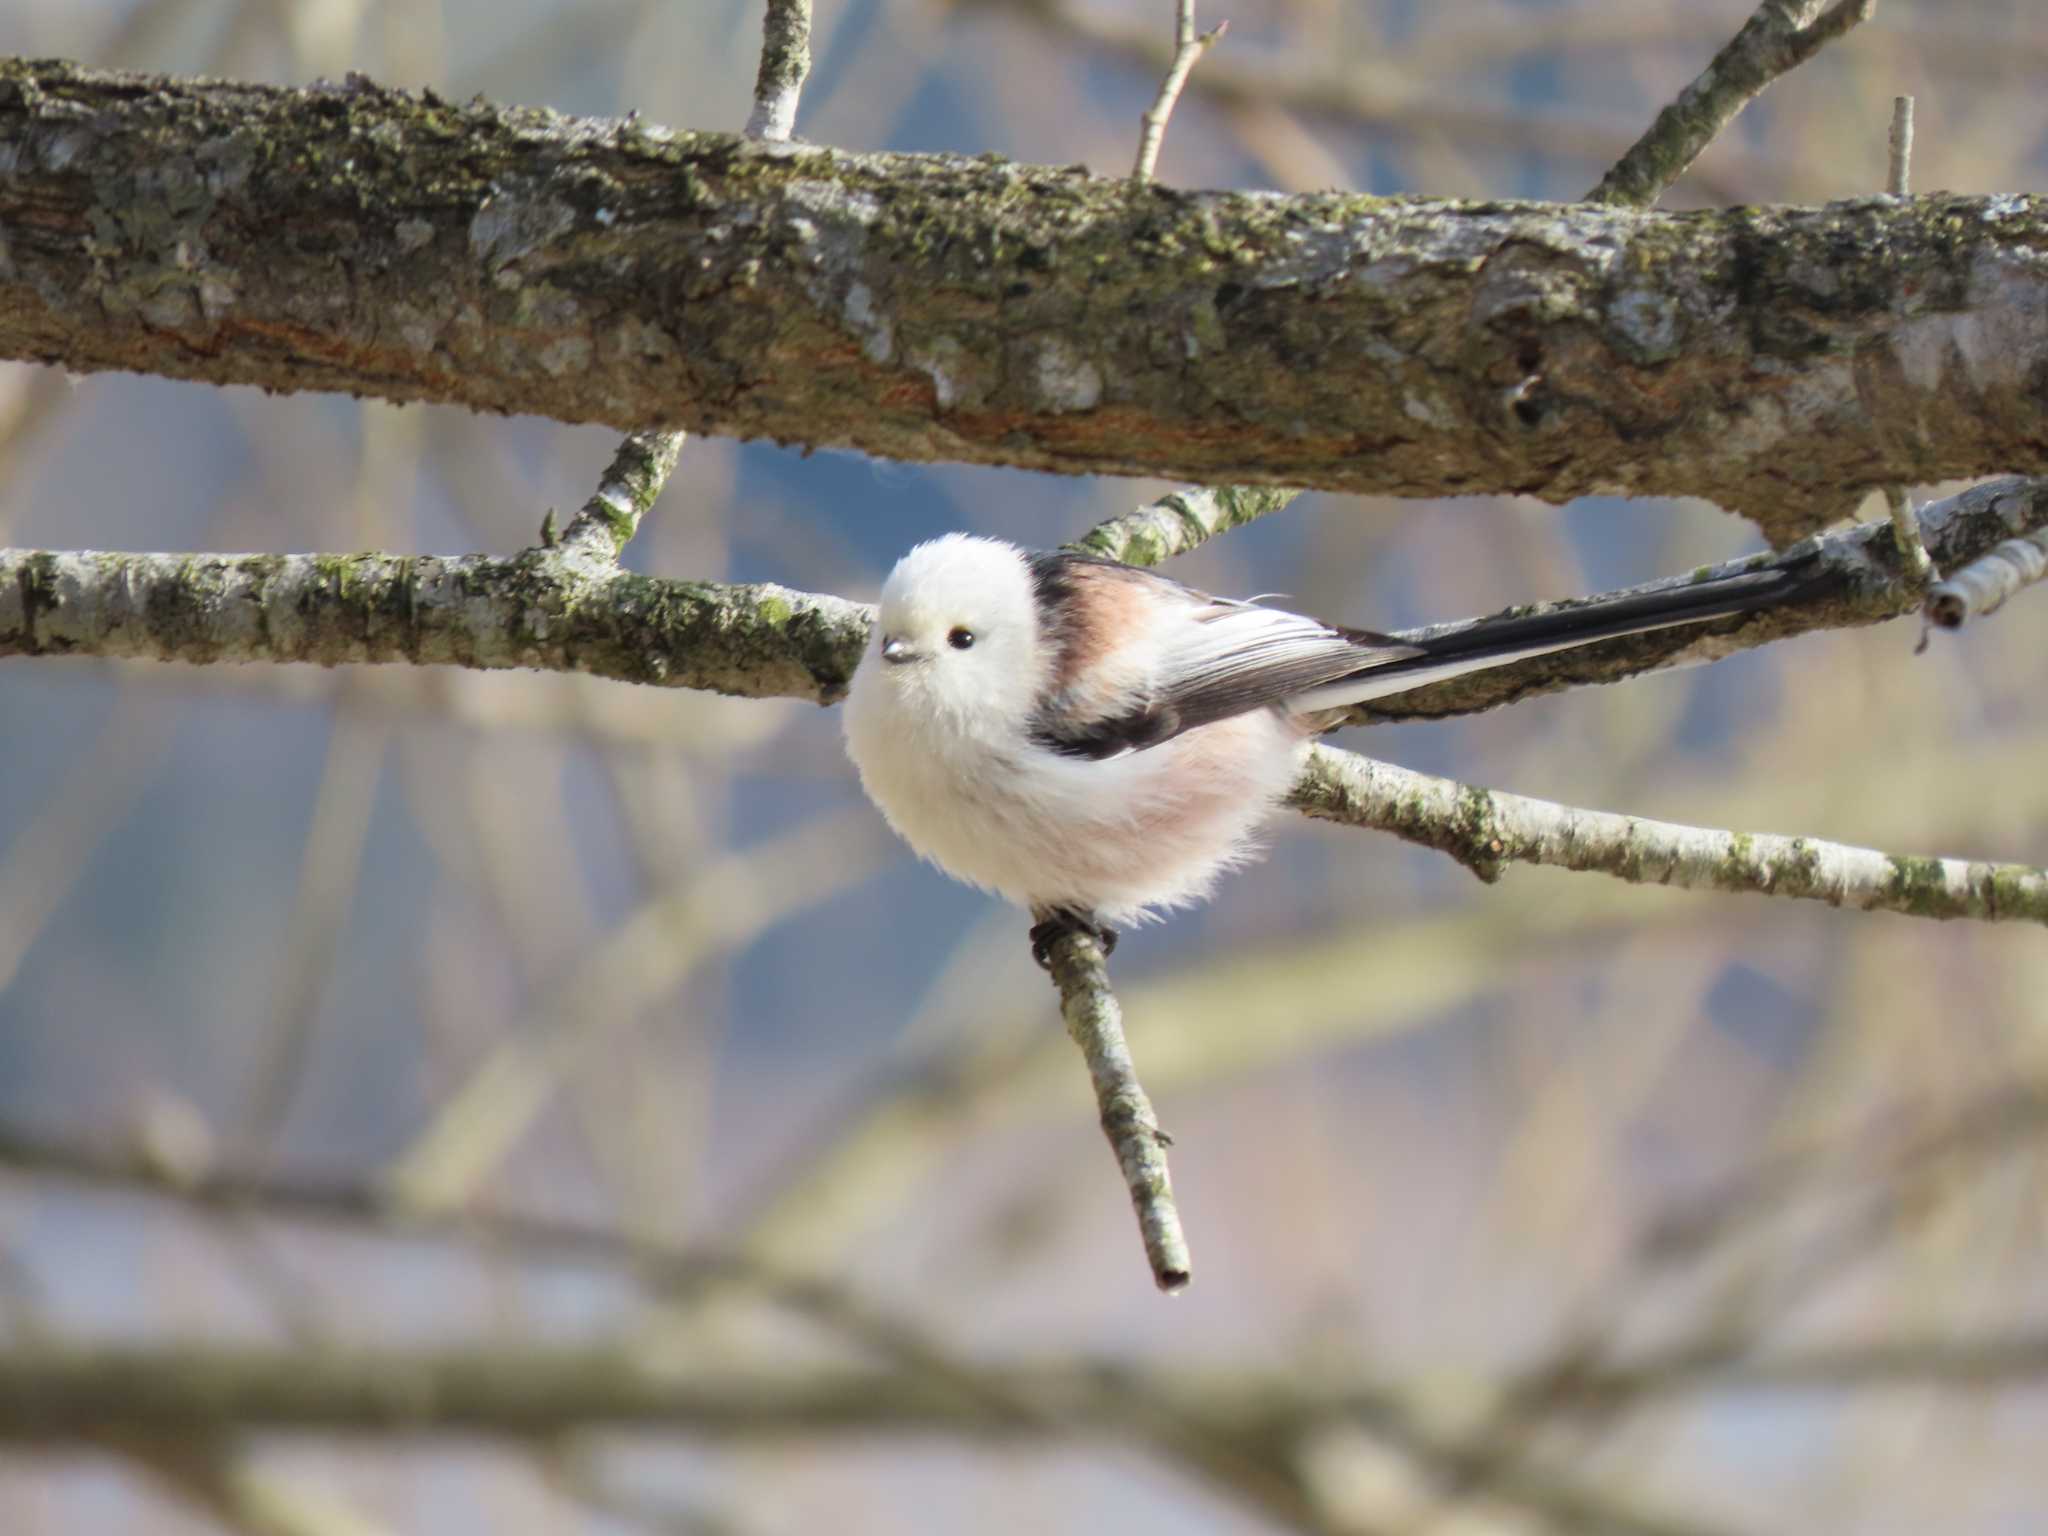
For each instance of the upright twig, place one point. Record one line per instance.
(1898, 181)
(1180, 521)
(1905, 517)
(785, 62)
(600, 531)
(1188, 46)
(1778, 38)
(1081, 972)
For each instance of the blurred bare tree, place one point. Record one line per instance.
(436, 1099)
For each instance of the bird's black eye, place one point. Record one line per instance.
(961, 638)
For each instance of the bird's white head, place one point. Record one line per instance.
(956, 637)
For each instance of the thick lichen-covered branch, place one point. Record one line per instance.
(1487, 829)
(547, 610)
(935, 307)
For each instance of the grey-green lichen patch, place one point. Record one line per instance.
(1649, 322)
(952, 371)
(1922, 886)
(878, 335)
(1479, 843)
(1066, 379)
(566, 354)
(1180, 521)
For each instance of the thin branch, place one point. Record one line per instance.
(677, 1273)
(1778, 38)
(1180, 521)
(1983, 586)
(214, 1476)
(54, 1393)
(1393, 104)
(1228, 1430)
(627, 491)
(1188, 46)
(785, 62)
(674, 1271)
(1081, 972)
(536, 610)
(1905, 519)
(768, 641)
(1877, 1159)
(1898, 181)
(1484, 829)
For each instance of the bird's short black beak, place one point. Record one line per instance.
(896, 650)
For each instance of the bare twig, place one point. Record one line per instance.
(1229, 1436)
(785, 61)
(1484, 829)
(87, 1391)
(217, 1477)
(1395, 104)
(1906, 534)
(1877, 1158)
(1905, 518)
(1898, 181)
(1188, 46)
(1081, 972)
(672, 1270)
(1180, 521)
(599, 533)
(1778, 38)
(1983, 585)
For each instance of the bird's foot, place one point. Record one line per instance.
(1048, 930)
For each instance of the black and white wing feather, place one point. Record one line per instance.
(1211, 658)
(1215, 658)
(1239, 657)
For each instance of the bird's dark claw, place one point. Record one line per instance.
(1048, 931)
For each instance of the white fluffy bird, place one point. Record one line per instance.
(1096, 742)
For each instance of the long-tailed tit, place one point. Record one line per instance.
(1096, 742)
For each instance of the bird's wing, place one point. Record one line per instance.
(1226, 658)
(1215, 658)
(1238, 657)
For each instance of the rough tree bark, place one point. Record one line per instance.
(1780, 361)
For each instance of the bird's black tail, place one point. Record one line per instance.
(1496, 642)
